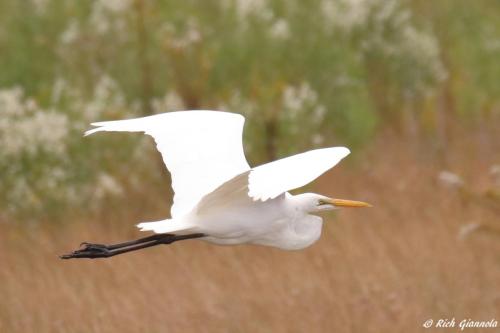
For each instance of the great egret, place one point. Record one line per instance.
(218, 197)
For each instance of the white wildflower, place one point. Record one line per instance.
(303, 112)
(495, 175)
(105, 88)
(107, 185)
(191, 35)
(491, 44)
(291, 100)
(107, 15)
(346, 14)
(344, 80)
(319, 113)
(167, 28)
(317, 139)
(237, 103)
(73, 195)
(26, 128)
(329, 10)
(49, 130)
(387, 29)
(450, 179)
(44, 130)
(116, 6)
(36, 141)
(71, 33)
(400, 18)
(349, 15)
(245, 8)
(107, 96)
(98, 19)
(467, 229)
(11, 102)
(425, 49)
(385, 10)
(40, 6)
(170, 102)
(297, 99)
(280, 29)
(58, 89)
(495, 170)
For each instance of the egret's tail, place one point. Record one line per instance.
(166, 226)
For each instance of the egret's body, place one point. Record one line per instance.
(276, 222)
(218, 196)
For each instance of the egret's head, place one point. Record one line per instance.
(312, 202)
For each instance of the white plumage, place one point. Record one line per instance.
(219, 195)
(201, 149)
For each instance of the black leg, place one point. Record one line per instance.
(125, 244)
(93, 251)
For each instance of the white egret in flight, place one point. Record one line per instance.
(218, 197)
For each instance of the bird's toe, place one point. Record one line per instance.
(88, 251)
(92, 246)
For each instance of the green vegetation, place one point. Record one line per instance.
(304, 73)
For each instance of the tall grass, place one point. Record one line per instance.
(387, 269)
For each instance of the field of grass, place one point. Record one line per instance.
(424, 251)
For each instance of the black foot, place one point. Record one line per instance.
(93, 251)
(91, 245)
(90, 251)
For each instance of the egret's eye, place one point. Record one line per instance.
(322, 202)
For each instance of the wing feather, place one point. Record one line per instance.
(201, 149)
(272, 179)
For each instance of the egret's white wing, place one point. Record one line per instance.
(201, 149)
(230, 194)
(272, 179)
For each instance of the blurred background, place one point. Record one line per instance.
(410, 86)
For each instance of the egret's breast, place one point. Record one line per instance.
(296, 233)
(247, 221)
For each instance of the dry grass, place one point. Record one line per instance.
(386, 269)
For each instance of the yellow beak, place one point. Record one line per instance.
(346, 203)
